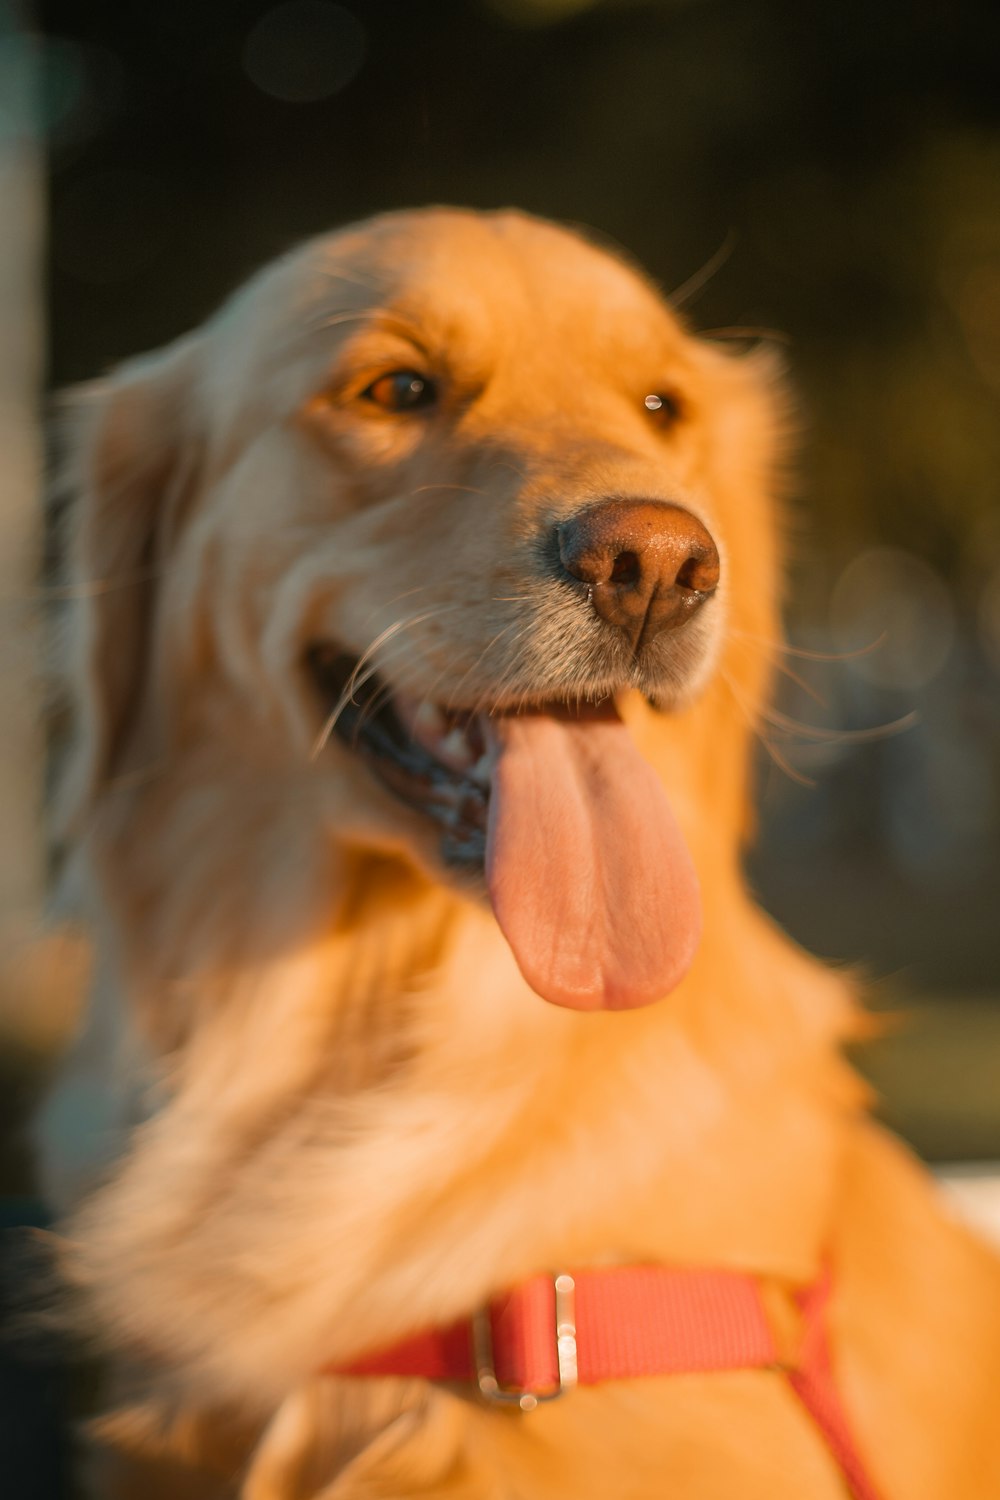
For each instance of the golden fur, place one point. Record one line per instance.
(361, 1120)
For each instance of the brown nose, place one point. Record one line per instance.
(648, 565)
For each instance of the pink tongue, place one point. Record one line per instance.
(589, 876)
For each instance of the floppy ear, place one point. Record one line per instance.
(131, 455)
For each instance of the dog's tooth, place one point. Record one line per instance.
(454, 750)
(482, 771)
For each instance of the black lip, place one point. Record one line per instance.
(367, 723)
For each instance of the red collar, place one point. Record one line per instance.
(550, 1333)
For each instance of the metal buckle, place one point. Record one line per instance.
(565, 1341)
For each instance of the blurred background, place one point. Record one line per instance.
(823, 175)
(826, 175)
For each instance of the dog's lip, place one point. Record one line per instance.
(462, 740)
(351, 692)
(376, 724)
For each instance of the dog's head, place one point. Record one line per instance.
(446, 526)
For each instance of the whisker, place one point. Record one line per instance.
(466, 489)
(783, 764)
(95, 588)
(486, 700)
(489, 700)
(364, 670)
(420, 588)
(840, 736)
(450, 702)
(788, 671)
(378, 699)
(702, 277)
(330, 723)
(800, 682)
(367, 282)
(506, 463)
(772, 335)
(804, 655)
(333, 320)
(753, 723)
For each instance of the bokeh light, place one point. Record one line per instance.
(18, 92)
(70, 89)
(892, 616)
(304, 51)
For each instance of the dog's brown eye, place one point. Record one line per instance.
(664, 408)
(401, 390)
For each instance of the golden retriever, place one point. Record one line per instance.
(426, 603)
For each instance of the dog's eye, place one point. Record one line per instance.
(401, 390)
(664, 408)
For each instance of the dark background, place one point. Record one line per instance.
(837, 166)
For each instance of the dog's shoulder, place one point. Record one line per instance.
(916, 1325)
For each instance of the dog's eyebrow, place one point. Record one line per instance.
(377, 319)
(334, 273)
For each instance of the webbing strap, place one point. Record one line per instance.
(813, 1382)
(632, 1321)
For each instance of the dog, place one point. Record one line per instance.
(424, 609)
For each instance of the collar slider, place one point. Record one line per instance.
(564, 1333)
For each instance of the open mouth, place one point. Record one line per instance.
(434, 759)
(438, 760)
(587, 872)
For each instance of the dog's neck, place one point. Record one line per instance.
(389, 1106)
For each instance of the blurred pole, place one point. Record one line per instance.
(41, 978)
(40, 973)
(21, 359)
(33, 1451)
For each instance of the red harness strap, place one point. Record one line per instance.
(813, 1382)
(549, 1334)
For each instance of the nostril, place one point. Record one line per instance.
(699, 572)
(625, 568)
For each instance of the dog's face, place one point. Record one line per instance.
(435, 508)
